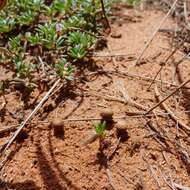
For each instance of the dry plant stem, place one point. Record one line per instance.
(161, 101)
(169, 166)
(128, 115)
(104, 13)
(152, 172)
(165, 180)
(186, 14)
(127, 180)
(114, 55)
(109, 174)
(11, 140)
(172, 115)
(116, 147)
(155, 32)
(181, 187)
(5, 51)
(165, 62)
(139, 77)
(4, 102)
(112, 98)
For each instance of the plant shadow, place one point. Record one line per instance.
(52, 175)
(27, 185)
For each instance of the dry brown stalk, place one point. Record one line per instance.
(155, 32)
(172, 115)
(167, 97)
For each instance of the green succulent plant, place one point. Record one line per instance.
(60, 28)
(64, 70)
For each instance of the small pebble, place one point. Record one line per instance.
(57, 126)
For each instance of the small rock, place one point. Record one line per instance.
(58, 129)
(107, 114)
(115, 34)
(121, 124)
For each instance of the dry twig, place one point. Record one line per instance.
(181, 187)
(172, 115)
(22, 125)
(155, 32)
(167, 97)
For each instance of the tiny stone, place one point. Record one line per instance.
(57, 126)
(116, 35)
(106, 114)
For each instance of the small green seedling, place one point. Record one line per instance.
(100, 128)
(99, 133)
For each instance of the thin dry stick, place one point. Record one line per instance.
(159, 103)
(155, 32)
(186, 14)
(165, 180)
(172, 115)
(165, 62)
(181, 187)
(114, 150)
(138, 76)
(114, 55)
(152, 172)
(10, 141)
(104, 13)
(109, 174)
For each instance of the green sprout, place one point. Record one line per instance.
(100, 128)
(23, 69)
(64, 70)
(15, 45)
(6, 25)
(77, 52)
